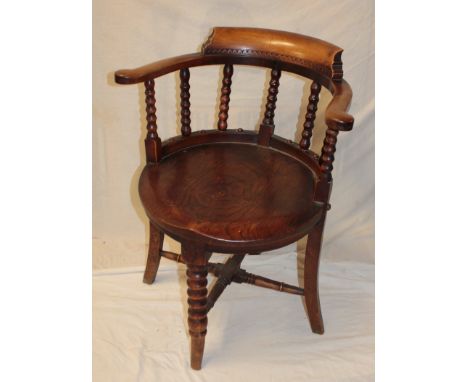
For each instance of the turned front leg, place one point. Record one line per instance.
(197, 293)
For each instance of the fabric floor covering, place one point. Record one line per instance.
(254, 334)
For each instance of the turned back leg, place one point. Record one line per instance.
(154, 254)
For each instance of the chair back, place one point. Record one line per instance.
(280, 51)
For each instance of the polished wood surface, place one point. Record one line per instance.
(240, 135)
(185, 102)
(224, 276)
(231, 272)
(310, 52)
(310, 115)
(196, 259)
(233, 196)
(311, 285)
(267, 126)
(225, 97)
(154, 254)
(327, 156)
(236, 190)
(336, 112)
(152, 141)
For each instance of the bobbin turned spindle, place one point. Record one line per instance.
(152, 141)
(268, 124)
(185, 102)
(328, 151)
(310, 115)
(225, 97)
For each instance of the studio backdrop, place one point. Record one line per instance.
(130, 33)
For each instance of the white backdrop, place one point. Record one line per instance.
(140, 331)
(130, 33)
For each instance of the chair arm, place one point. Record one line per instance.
(157, 69)
(336, 114)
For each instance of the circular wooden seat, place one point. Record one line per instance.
(234, 196)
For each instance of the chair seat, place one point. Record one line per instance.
(231, 196)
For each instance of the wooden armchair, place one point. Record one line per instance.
(240, 191)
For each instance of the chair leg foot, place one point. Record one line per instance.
(311, 268)
(197, 293)
(154, 254)
(197, 346)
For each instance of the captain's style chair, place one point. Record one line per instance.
(239, 190)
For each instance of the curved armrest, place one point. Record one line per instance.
(336, 113)
(156, 69)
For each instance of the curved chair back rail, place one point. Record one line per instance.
(308, 52)
(337, 109)
(255, 46)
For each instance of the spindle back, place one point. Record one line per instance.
(280, 51)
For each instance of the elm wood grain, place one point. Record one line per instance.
(310, 115)
(225, 97)
(236, 191)
(154, 254)
(233, 197)
(185, 102)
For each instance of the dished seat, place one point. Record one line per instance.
(233, 195)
